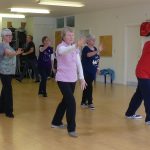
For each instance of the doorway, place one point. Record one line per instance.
(133, 49)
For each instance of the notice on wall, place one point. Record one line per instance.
(106, 40)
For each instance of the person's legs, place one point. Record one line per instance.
(90, 91)
(85, 93)
(145, 90)
(2, 102)
(7, 94)
(33, 63)
(135, 102)
(71, 109)
(60, 111)
(68, 104)
(84, 96)
(25, 68)
(42, 87)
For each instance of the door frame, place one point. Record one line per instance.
(126, 45)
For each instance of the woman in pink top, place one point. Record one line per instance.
(68, 67)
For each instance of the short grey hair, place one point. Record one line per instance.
(6, 32)
(65, 30)
(90, 37)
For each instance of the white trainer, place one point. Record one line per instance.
(134, 117)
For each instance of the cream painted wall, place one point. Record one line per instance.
(113, 22)
(42, 26)
(16, 23)
(29, 25)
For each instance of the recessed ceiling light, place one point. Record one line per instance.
(60, 3)
(29, 10)
(11, 15)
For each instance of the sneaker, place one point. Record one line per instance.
(48, 77)
(62, 126)
(147, 122)
(134, 117)
(73, 134)
(84, 105)
(91, 106)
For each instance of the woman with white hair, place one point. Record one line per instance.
(68, 63)
(7, 69)
(90, 60)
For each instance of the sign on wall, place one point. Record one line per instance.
(106, 40)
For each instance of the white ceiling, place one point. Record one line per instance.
(90, 5)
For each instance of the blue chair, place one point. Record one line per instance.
(108, 72)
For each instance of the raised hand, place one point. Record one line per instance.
(80, 43)
(101, 47)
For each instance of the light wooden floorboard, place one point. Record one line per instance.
(105, 128)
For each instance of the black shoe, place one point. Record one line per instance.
(40, 93)
(36, 81)
(44, 94)
(10, 115)
(18, 79)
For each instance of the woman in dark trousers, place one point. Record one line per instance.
(143, 87)
(90, 60)
(7, 69)
(45, 64)
(68, 63)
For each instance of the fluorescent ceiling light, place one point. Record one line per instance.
(61, 3)
(28, 10)
(12, 15)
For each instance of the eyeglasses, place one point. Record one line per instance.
(8, 35)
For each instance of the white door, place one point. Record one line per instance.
(133, 51)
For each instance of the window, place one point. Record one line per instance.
(70, 21)
(60, 22)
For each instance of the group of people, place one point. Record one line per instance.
(8, 67)
(69, 67)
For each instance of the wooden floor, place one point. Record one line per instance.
(105, 128)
